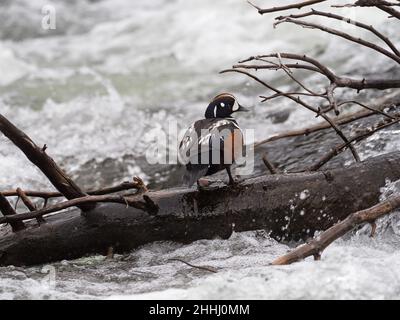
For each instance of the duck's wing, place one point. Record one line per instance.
(195, 141)
(188, 141)
(209, 135)
(205, 140)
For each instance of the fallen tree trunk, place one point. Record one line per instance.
(291, 207)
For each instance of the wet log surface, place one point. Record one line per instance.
(291, 207)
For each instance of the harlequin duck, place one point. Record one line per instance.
(214, 143)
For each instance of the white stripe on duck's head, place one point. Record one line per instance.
(222, 106)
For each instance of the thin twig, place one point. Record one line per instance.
(28, 203)
(331, 97)
(342, 82)
(341, 34)
(280, 95)
(131, 200)
(193, 266)
(391, 11)
(338, 149)
(288, 7)
(385, 6)
(126, 185)
(323, 240)
(292, 56)
(7, 210)
(368, 108)
(302, 103)
(318, 127)
(349, 21)
(274, 67)
(289, 74)
(368, 3)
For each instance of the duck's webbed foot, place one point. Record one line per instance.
(204, 184)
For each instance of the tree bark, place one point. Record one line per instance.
(291, 207)
(7, 210)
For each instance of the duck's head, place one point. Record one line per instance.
(222, 106)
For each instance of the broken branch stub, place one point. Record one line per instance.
(7, 210)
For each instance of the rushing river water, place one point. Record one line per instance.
(113, 73)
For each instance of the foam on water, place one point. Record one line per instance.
(356, 268)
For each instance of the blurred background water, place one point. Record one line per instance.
(99, 88)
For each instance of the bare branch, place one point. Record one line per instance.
(349, 21)
(288, 73)
(364, 134)
(319, 243)
(279, 95)
(324, 125)
(391, 11)
(324, 70)
(289, 65)
(28, 203)
(367, 84)
(385, 6)
(340, 34)
(368, 108)
(342, 82)
(7, 210)
(60, 180)
(288, 7)
(331, 97)
(130, 200)
(367, 3)
(126, 185)
(302, 103)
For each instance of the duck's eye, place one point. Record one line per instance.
(222, 104)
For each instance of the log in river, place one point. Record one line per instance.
(289, 206)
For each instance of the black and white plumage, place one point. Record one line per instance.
(212, 144)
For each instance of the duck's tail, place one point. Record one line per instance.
(194, 173)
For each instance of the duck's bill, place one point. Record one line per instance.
(243, 109)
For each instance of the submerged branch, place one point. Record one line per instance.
(194, 266)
